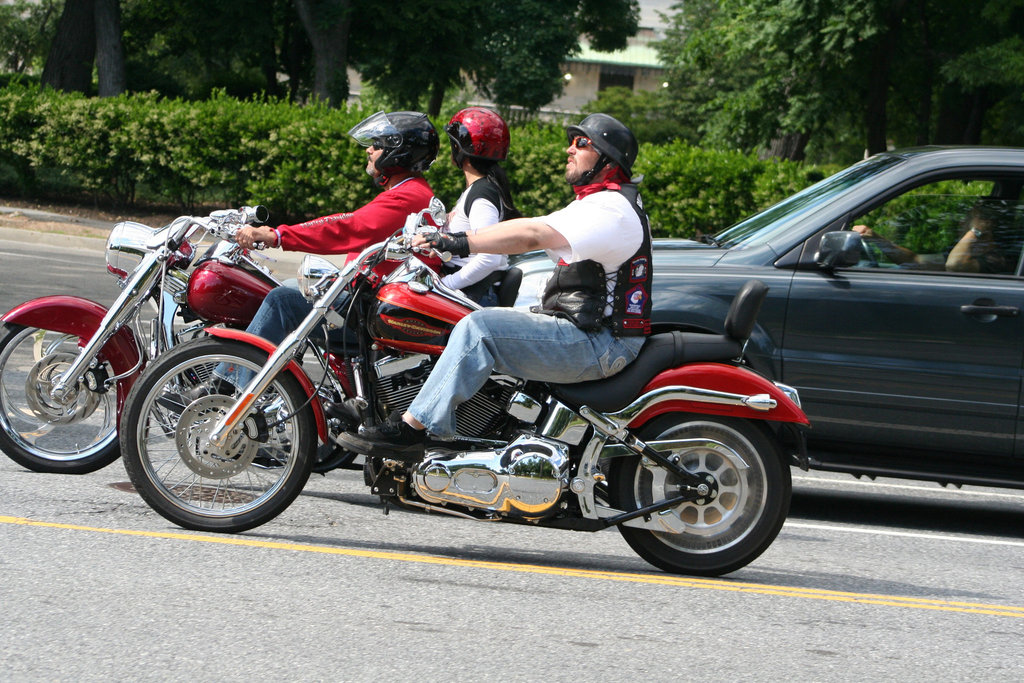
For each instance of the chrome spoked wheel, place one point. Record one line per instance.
(172, 411)
(75, 434)
(747, 503)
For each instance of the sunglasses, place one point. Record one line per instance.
(580, 142)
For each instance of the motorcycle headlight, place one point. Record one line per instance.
(126, 246)
(314, 273)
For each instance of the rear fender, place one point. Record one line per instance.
(81, 317)
(719, 377)
(292, 367)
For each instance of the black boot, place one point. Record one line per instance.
(392, 439)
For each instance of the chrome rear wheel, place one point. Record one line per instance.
(747, 503)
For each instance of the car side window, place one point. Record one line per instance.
(951, 226)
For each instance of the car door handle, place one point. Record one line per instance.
(1004, 311)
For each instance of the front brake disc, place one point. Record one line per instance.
(78, 404)
(192, 439)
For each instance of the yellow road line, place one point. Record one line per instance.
(656, 579)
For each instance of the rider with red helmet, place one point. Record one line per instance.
(479, 139)
(400, 146)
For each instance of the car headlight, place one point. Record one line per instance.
(126, 246)
(314, 274)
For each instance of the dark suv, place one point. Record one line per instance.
(896, 289)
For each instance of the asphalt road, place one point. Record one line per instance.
(888, 580)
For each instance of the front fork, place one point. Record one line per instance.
(121, 311)
(289, 349)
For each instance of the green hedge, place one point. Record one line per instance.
(300, 162)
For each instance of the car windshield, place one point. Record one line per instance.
(762, 227)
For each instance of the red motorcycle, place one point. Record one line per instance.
(67, 363)
(686, 451)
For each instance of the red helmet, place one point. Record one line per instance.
(478, 133)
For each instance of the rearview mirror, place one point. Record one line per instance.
(839, 250)
(437, 211)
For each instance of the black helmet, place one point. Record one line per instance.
(408, 139)
(613, 140)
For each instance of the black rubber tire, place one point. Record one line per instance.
(294, 474)
(722, 534)
(39, 459)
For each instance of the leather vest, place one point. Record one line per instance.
(579, 291)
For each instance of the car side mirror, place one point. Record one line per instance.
(839, 250)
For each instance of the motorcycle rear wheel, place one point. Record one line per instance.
(76, 436)
(171, 409)
(751, 487)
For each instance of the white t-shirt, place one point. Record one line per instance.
(474, 267)
(602, 227)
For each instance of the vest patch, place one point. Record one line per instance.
(638, 270)
(635, 300)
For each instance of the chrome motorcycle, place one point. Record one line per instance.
(67, 363)
(686, 451)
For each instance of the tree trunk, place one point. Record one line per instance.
(69, 62)
(875, 108)
(875, 112)
(924, 102)
(109, 52)
(788, 146)
(436, 100)
(327, 23)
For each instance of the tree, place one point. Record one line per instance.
(88, 30)
(190, 48)
(109, 53)
(327, 26)
(416, 49)
(788, 72)
(69, 63)
(512, 51)
(26, 30)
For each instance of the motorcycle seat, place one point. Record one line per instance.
(668, 350)
(660, 352)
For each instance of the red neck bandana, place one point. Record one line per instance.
(612, 182)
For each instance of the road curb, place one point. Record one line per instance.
(55, 238)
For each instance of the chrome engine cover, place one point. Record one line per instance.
(523, 479)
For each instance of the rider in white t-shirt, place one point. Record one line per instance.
(593, 318)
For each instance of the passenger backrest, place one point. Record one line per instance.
(739, 322)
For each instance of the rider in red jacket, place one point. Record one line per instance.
(400, 146)
(349, 233)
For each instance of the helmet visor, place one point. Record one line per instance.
(378, 130)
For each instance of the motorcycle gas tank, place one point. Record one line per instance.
(225, 293)
(407, 320)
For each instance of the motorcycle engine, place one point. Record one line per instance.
(397, 380)
(524, 479)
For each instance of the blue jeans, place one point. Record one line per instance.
(521, 344)
(279, 314)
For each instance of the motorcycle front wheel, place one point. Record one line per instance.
(749, 499)
(74, 435)
(168, 415)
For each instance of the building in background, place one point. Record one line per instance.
(636, 67)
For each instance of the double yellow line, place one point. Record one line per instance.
(657, 579)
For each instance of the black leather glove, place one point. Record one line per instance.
(455, 243)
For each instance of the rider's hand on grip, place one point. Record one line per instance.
(455, 243)
(255, 237)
